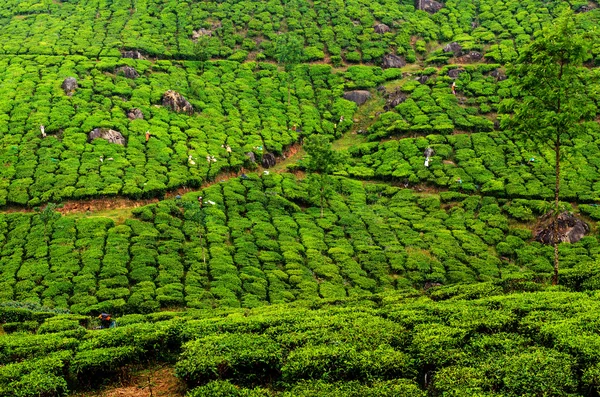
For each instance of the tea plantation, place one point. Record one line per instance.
(158, 163)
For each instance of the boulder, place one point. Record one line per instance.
(133, 54)
(454, 73)
(69, 85)
(570, 229)
(268, 160)
(111, 136)
(196, 34)
(454, 48)
(430, 284)
(471, 56)
(430, 6)
(176, 102)
(498, 74)
(135, 114)
(585, 8)
(392, 61)
(357, 96)
(251, 156)
(422, 79)
(128, 72)
(381, 28)
(394, 99)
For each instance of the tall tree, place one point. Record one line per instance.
(553, 103)
(321, 162)
(48, 216)
(290, 52)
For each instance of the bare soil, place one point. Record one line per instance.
(159, 382)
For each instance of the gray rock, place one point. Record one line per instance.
(176, 102)
(430, 6)
(430, 284)
(454, 48)
(196, 34)
(128, 72)
(454, 73)
(570, 229)
(133, 54)
(498, 74)
(585, 8)
(381, 28)
(422, 79)
(357, 96)
(392, 61)
(135, 114)
(394, 99)
(69, 85)
(472, 56)
(251, 156)
(268, 160)
(111, 136)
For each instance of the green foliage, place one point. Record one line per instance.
(240, 357)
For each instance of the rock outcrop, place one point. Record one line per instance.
(133, 54)
(111, 136)
(381, 28)
(176, 102)
(454, 48)
(268, 160)
(454, 73)
(498, 74)
(357, 96)
(393, 99)
(570, 229)
(422, 79)
(69, 85)
(251, 157)
(135, 114)
(430, 6)
(392, 61)
(471, 56)
(128, 72)
(196, 34)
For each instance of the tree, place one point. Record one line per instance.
(321, 162)
(290, 52)
(193, 212)
(202, 50)
(553, 101)
(48, 215)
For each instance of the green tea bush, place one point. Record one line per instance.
(243, 358)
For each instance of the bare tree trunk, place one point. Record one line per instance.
(556, 193)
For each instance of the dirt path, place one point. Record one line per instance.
(120, 208)
(160, 382)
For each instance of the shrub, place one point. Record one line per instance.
(345, 362)
(242, 358)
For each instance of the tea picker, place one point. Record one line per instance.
(106, 321)
(428, 153)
